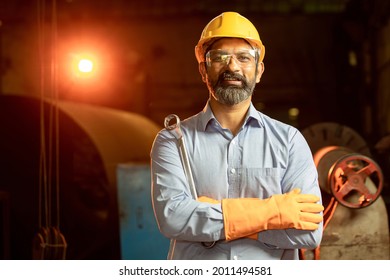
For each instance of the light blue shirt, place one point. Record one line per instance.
(266, 157)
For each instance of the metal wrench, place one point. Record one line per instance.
(176, 131)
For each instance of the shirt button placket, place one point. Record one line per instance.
(232, 172)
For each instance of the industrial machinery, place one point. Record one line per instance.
(355, 216)
(93, 142)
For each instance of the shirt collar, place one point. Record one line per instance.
(207, 116)
(253, 114)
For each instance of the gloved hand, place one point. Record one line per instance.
(208, 199)
(246, 216)
(214, 201)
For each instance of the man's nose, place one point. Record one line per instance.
(232, 64)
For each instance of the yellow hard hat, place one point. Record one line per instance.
(228, 24)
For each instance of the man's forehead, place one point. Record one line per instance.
(231, 43)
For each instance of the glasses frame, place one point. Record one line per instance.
(229, 54)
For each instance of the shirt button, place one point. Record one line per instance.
(233, 171)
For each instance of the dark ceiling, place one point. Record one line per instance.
(373, 13)
(18, 9)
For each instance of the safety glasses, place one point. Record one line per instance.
(220, 58)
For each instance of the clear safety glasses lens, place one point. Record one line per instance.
(220, 58)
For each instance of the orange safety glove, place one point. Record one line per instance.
(246, 216)
(214, 201)
(208, 199)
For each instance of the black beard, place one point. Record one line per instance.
(232, 95)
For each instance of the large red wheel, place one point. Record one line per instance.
(355, 181)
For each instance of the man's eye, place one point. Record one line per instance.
(243, 58)
(219, 58)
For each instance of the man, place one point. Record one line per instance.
(257, 187)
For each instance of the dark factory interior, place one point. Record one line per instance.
(75, 142)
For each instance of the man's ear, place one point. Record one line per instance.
(203, 71)
(260, 71)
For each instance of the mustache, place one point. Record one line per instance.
(231, 75)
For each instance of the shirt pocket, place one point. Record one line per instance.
(260, 182)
